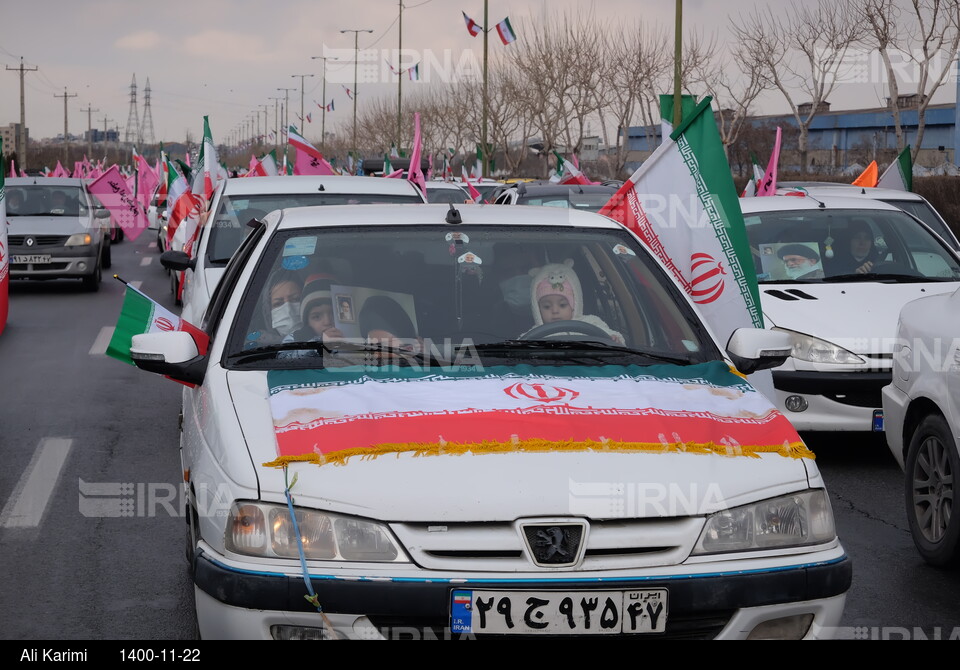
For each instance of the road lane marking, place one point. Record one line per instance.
(152, 245)
(103, 339)
(28, 502)
(136, 284)
(145, 261)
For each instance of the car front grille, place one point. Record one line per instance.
(41, 240)
(680, 626)
(610, 545)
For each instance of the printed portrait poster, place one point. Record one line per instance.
(349, 303)
(803, 260)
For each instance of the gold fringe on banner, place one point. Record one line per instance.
(787, 449)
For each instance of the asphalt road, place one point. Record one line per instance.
(91, 535)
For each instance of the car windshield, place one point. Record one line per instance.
(503, 294)
(589, 201)
(837, 245)
(44, 200)
(229, 227)
(445, 195)
(923, 211)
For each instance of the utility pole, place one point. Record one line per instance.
(89, 110)
(286, 115)
(65, 96)
(22, 135)
(276, 121)
(303, 120)
(484, 172)
(399, 76)
(356, 57)
(264, 136)
(323, 92)
(677, 68)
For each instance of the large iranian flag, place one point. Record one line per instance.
(141, 314)
(330, 415)
(683, 205)
(899, 174)
(4, 252)
(206, 175)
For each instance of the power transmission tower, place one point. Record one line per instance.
(22, 135)
(146, 130)
(132, 134)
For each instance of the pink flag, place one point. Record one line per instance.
(111, 189)
(60, 171)
(309, 160)
(147, 180)
(13, 168)
(396, 174)
(415, 171)
(768, 186)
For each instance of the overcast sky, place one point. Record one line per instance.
(227, 58)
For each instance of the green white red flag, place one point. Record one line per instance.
(206, 174)
(141, 314)
(331, 415)
(505, 31)
(683, 205)
(472, 26)
(899, 174)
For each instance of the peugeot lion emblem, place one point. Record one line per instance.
(555, 544)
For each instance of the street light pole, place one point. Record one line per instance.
(323, 92)
(276, 121)
(303, 119)
(286, 116)
(356, 56)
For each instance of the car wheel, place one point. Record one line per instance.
(192, 537)
(932, 469)
(107, 254)
(92, 281)
(119, 235)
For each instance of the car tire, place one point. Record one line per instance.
(107, 254)
(932, 471)
(92, 281)
(192, 538)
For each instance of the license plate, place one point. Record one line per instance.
(36, 258)
(559, 612)
(878, 421)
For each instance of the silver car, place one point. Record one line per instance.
(55, 231)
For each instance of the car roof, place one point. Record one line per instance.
(311, 183)
(443, 185)
(45, 181)
(849, 190)
(778, 203)
(417, 214)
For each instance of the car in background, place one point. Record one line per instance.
(445, 191)
(157, 220)
(911, 203)
(586, 198)
(428, 470)
(840, 312)
(921, 408)
(56, 230)
(240, 200)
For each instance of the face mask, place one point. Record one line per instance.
(286, 317)
(797, 272)
(516, 290)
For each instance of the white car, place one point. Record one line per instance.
(445, 191)
(841, 313)
(239, 200)
(921, 408)
(912, 203)
(421, 468)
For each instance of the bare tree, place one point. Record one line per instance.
(803, 51)
(925, 34)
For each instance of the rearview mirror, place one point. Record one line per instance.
(753, 349)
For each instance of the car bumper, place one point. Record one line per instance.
(895, 404)
(832, 401)
(58, 267)
(235, 602)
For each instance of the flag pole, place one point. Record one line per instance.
(483, 130)
(677, 55)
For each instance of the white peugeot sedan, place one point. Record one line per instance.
(834, 274)
(413, 457)
(239, 200)
(922, 410)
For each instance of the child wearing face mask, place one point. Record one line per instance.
(556, 295)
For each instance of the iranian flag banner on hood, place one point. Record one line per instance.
(4, 253)
(683, 205)
(141, 314)
(330, 415)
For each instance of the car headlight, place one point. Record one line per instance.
(814, 350)
(793, 520)
(267, 530)
(79, 240)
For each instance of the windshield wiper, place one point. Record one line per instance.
(581, 346)
(884, 276)
(388, 355)
(271, 351)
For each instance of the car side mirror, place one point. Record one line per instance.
(177, 260)
(170, 353)
(753, 349)
(101, 213)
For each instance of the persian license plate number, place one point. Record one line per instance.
(30, 258)
(559, 613)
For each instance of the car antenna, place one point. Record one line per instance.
(321, 188)
(453, 215)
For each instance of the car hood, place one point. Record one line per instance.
(47, 225)
(502, 483)
(861, 317)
